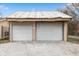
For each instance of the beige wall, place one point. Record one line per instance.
(34, 29)
(4, 23)
(4, 27)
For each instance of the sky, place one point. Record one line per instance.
(9, 8)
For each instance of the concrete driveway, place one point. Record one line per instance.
(39, 49)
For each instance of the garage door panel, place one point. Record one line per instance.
(49, 31)
(22, 32)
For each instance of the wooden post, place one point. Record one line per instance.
(34, 31)
(10, 32)
(1, 31)
(65, 31)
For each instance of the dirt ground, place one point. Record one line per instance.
(39, 49)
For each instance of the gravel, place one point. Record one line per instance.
(39, 49)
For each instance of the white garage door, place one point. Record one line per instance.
(22, 32)
(49, 31)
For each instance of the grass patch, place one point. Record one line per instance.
(73, 40)
(4, 40)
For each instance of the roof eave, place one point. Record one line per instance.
(35, 19)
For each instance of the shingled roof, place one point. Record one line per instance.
(38, 14)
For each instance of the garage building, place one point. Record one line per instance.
(38, 26)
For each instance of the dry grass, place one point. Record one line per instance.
(73, 39)
(4, 40)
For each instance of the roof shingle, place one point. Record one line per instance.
(38, 14)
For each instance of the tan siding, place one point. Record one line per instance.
(6, 23)
(4, 27)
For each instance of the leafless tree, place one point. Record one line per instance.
(72, 10)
